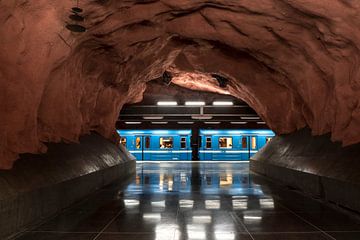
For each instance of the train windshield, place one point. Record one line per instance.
(225, 142)
(166, 142)
(123, 141)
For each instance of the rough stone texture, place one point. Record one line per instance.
(39, 186)
(296, 62)
(314, 165)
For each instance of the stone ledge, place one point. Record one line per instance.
(40, 186)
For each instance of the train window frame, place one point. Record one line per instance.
(228, 145)
(253, 142)
(147, 142)
(244, 142)
(183, 141)
(161, 139)
(124, 143)
(208, 140)
(138, 143)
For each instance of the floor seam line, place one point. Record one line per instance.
(108, 224)
(237, 219)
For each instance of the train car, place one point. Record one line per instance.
(232, 145)
(157, 145)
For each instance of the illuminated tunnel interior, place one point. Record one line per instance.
(179, 119)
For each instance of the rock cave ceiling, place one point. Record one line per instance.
(296, 62)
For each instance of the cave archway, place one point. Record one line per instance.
(295, 62)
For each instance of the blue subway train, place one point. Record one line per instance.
(232, 144)
(177, 145)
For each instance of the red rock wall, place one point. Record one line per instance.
(294, 61)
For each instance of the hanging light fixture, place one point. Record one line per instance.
(76, 19)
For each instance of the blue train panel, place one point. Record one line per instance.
(157, 145)
(232, 145)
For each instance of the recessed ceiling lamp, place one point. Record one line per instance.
(194, 103)
(76, 18)
(261, 122)
(222, 81)
(201, 117)
(153, 117)
(132, 123)
(212, 122)
(167, 103)
(185, 122)
(250, 118)
(238, 122)
(167, 77)
(223, 103)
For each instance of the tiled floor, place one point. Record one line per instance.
(176, 201)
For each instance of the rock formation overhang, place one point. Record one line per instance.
(296, 62)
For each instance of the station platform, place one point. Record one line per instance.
(173, 201)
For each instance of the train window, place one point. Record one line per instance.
(138, 142)
(147, 142)
(244, 142)
(268, 139)
(123, 141)
(183, 142)
(253, 142)
(225, 142)
(208, 142)
(166, 142)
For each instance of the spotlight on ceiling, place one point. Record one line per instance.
(167, 103)
(76, 18)
(222, 81)
(194, 103)
(167, 77)
(223, 103)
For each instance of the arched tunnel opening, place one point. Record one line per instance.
(75, 74)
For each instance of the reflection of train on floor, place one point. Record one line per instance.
(162, 145)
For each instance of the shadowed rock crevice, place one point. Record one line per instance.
(295, 62)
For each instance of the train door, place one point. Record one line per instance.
(245, 148)
(184, 148)
(207, 154)
(142, 146)
(253, 145)
(139, 150)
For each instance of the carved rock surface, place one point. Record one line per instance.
(296, 62)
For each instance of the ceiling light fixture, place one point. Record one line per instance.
(76, 18)
(153, 117)
(261, 122)
(223, 103)
(222, 81)
(167, 103)
(212, 122)
(132, 123)
(185, 122)
(194, 103)
(238, 122)
(250, 118)
(201, 117)
(167, 77)
(159, 122)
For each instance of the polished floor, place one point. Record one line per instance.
(176, 201)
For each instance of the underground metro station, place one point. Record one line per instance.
(180, 119)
